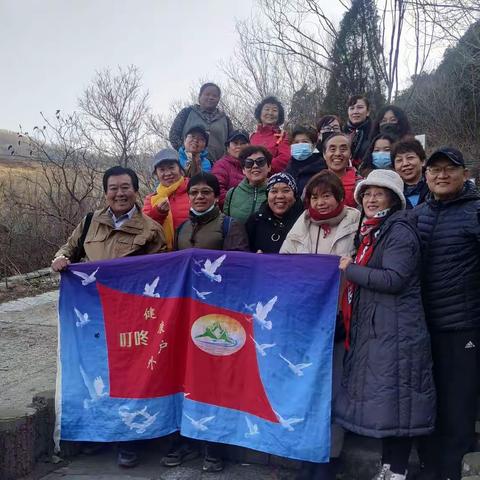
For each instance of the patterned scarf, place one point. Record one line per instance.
(368, 232)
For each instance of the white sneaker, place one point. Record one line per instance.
(395, 476)
(381, 475)
(386, 474)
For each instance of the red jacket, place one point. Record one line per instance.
(229, 174)
(277, 142)
(350, 180)
(179, 205)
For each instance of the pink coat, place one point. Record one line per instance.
(276, 141)
(229, 174)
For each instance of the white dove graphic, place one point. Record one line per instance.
(86, 279)
(252, 428)
(200, 424)
(296, 369)
(202, 295)
(128, 417)
(249, 307)
(209, 269)
(149, 290)
(288, 422)
(261, 312)
(95, 390)
(262, 347)
(82, 318)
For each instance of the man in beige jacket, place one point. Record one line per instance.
(118, 230)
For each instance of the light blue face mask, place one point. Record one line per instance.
(301, 151)
(382, 160)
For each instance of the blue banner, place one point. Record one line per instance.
(228, 347)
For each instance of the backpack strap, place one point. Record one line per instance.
(226, 222)
(81, 240)
(230, 198)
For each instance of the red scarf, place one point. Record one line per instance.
(364, 253)
(318, 217)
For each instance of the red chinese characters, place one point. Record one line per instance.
(163, 346)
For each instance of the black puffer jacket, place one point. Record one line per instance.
(450, 234)
(387, 387)
(303, 171)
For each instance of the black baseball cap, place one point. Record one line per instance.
(198, 129)
(237, 134)
(454, 155)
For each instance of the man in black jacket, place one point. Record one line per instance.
(449, 226)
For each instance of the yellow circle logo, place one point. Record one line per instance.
(218, 334)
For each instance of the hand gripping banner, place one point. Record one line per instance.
(228, 347)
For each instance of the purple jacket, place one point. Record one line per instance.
(229, 174)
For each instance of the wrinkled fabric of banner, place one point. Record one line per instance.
(228, 347)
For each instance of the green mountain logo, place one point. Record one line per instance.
(217, 332)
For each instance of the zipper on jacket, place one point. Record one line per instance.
(318, 238)
(254, 200)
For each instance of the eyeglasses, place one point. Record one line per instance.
(250, 162)
(204, 192)
(195, 137)
(377, 195)
(449, 169)
(329, 129)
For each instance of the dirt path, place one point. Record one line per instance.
(28, 348)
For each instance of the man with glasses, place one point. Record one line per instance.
(449, 226)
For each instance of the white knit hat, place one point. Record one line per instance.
(382, 178)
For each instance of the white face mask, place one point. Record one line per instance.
(199, 214)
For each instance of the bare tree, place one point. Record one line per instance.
(253, 72)
(302, 29)
(115, 111)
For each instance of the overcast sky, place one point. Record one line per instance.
(50, 49)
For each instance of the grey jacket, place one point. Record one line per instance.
(217, 124)
(387, 387)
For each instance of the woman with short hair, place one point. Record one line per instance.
(408, 160)
(306, 161)
(207, 226)
(246, 198)
(270, 116)
(206, 114)
(328, 227)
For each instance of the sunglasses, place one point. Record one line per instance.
(250, 162)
